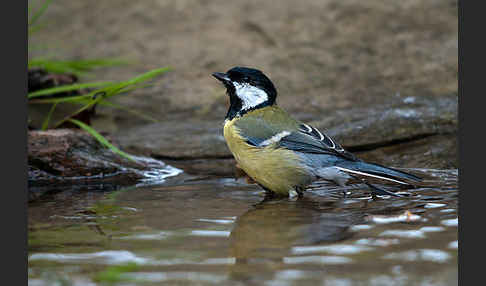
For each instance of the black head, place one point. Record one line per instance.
(248, 89)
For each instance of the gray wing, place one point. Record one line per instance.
(310, 140)
(259, 132)
(296, 137)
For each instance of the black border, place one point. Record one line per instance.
(471, 121)
(460, 153)
(14, 142)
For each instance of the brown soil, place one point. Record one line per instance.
(320, 54)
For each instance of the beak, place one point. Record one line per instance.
(221, 77)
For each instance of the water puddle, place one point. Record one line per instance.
(190, 230)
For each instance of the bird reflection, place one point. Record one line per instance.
(265, 234)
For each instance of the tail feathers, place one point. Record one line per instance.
(380, 172)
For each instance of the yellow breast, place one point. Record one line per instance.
(275, 168)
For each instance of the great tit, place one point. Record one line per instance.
(282, 154)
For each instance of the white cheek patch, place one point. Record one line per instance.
(275, 138)
(250, 96)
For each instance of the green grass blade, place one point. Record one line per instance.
(148, 75)
(105, 103)
(33, 29)
(135, 112)
(111, 90)
(65, 88)
(86, 106)
(39, 12)
(84, 98)
(45, 124)
(133, 87)
(89, 99)
(131, 84)
(74, 99)
(101, 139)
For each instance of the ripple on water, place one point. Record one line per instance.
(113, 257)
(338, 249)
(431, 229)
(359, 227)
(404, 233)
(158, 173)
(218, 221)
(383, 219)
(292, 274)
(167, 276)
(450, 222)
(432, 255)
(287, 277)
(453, 245)
(317, 259)
(285, 226)
(212, 233)
(103, 257)
(434, 205)
(148, 236)
(377, 241)
(73, 281)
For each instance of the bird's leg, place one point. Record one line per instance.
(342, 185)
(300, 191)
(373, 196)
(268, 193)
(345, 194)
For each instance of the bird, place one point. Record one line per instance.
(284, 155)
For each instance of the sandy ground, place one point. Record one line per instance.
(320, 54)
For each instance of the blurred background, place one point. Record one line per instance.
(381, 77)
(321, 55)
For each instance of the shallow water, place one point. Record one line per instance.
(195, 231)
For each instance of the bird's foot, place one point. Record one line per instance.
(293, 195)
(300, 191)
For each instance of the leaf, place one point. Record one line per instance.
(122, 86)
(135, 112)
(148, 75)
(39, 12)
(34, 29)
(76, 98)
(45, 124)
(101, 139)
(86, 106)
(65, 88)
(99, 95)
